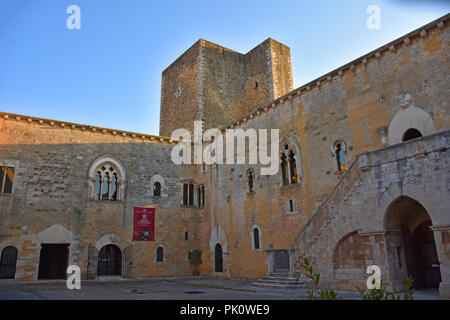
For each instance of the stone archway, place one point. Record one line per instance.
(410, 246)
(109, 261)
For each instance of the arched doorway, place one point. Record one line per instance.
(410, 244)
(8, 263)
(411, 134)
(218, 258)
(109, 261)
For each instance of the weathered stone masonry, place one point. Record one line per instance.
(343, 220)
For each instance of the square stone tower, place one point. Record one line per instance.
(219, 86)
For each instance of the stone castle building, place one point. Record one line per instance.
(363, 179)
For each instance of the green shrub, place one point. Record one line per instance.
(384, 294)
(324, 294)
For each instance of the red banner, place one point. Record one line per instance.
(144, 224)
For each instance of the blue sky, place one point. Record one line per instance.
(108, 73)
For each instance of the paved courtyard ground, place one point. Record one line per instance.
(167, 288)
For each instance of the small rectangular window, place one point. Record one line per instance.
(186, 235)
(185, 194)
(159, 254)
(291, 205)
(6, 179)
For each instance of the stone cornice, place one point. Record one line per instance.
(392, 46)
(94, 129)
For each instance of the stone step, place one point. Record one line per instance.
(279, 274)
(280, 281)
(279, 278)
(279, 286)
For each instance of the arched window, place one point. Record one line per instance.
(410, 118)
(8, 262)
(201, 196)
(188, 194)
(339, 151)
(157, 189)
(256, 244)
(251, 180)
(107, 180)
(410, 134)
(218, 258)
(160, 254)
(290, 161)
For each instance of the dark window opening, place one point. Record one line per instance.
(203, 196)
(284, 170)
(159, 254)
(256, 238)
(185, 194)
(251, 182)
(291, 205)
(218, 258)
(6, 179)
(186, 235)
(191, 194)
(8, 262)
(157, 189)
(411, 134)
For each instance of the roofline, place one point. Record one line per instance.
(82, 127)
(202, 42)
(352, 65)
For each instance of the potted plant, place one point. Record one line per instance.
(195, 259)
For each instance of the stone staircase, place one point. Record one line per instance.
(279, 280)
